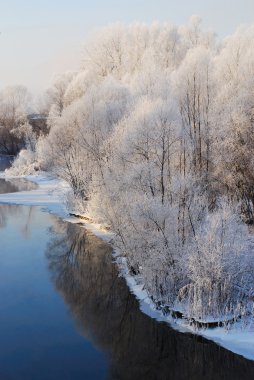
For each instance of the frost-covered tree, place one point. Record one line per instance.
(233, 118)
(57, 91)
(14, 107)
(154, 135)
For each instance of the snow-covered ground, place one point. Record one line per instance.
(51, 195)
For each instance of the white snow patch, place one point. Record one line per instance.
(238, 340)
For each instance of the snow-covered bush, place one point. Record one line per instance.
(24, 164)
(219, 266)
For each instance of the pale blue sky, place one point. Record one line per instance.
(42, 37)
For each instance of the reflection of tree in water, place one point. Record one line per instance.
(7, 211)
(106, 313)
(7, 187)
(14, 185)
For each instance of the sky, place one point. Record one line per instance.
(40, 38)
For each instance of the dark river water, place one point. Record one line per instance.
(66, 314)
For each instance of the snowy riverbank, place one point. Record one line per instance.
(51, 195)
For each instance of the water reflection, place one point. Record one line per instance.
(14, 185)
(106, 313)
(38, 338)
(7, 212)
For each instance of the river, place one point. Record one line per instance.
(66, 314)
